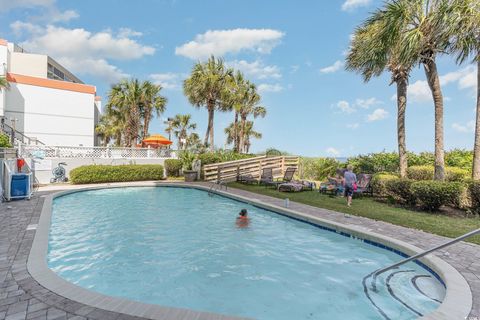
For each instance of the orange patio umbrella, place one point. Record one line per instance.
(156, 140)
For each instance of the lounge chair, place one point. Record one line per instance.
(247, 178)
(296, 186)
(363, 184)
(287, 177)
(267, 176)
(333, 186)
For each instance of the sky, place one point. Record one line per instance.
(294, 52)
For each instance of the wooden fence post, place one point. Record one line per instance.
(219, 174)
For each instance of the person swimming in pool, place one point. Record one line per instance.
(242, 219)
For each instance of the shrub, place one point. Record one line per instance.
(122, 173)
(459, 158)
(4, 141)
(474, 193)
(221, 156)
(431, 195)
(318, 168)
(401, 190)
(420, 173)
(173, 167)
(375, 162)
(379, 181)
(272, 152)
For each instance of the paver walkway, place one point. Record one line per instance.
(21, 297)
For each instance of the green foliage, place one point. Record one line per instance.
(474, 194)
(123, 173)
(187, 158)
(221, 156)
(173, 167)
(421, 159)
(272, 152)
(379, 183)
(318, 169)
(431, 195)
(375, 162)
(401, 190)
(459, 158)
(4, 141)
(421, 173)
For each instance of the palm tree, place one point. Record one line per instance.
(237, 87)
(207, 87)
(249, 132)
(152, 102)
(369, 56)
(181, 126)
(125, 100)
(249, 106)
(465, 31)
(418, 28)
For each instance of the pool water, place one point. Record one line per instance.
(180, 247)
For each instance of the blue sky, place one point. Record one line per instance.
(293, 51)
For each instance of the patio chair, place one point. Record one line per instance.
(296, 186)
(363, 184)
(246, 178)
(287, 177)
(333, 186)
(266, 177)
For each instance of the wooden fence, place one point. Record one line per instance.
(229, 171)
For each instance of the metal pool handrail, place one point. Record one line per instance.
(424, 253)
(216, 184)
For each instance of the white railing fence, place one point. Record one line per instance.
(94, 152)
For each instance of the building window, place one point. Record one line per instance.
(56, 74)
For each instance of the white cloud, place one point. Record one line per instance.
(221, 42)
(294, 68)
(168, 80)
(468, 127)
(377, 114)
(6, 5)
(419, 91)
(349, 5)
(128, 33)
(61, 16)
(81, 51)
(353, 126)
(345, 107)
(265, 87)
(256, 69)
(333, 152)
(333, 68)
(367, 103)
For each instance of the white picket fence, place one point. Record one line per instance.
(94, 152)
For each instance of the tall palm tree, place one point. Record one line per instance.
(418, 27)
(465, 42)
(370, 56)
(249, 132)
(152, 102)
(125, 99)
(207, 87)
(181, 127)
(250, 105)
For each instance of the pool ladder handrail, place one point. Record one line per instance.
(217, 185)
(376, 273)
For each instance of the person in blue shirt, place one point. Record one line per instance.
(349, 183)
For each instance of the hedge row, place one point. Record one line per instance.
(173, 167)
(429, 195)
(123, 173)
(426, 173)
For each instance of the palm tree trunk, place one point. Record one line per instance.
(211, 111)
(402, 105)
(434, 83)
(235, 133)
(476, 148)
(241, 143)
(146, 124)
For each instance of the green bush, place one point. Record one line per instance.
(474, 194)
(459, 158)
(379, 183)
(421, 173)
(317, 169)
(4, 141)
(173, 167)
(221, 156)
(431, 195)
(375, 162)
(401, 190)
(122, 173)
(272, 152)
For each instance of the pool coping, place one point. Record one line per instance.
(456, 304)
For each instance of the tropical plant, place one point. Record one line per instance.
(370, 56)
(151, 103)
(464, 28)
(207, 87)
(187, 159)
(109, 128)
(5, 141)
(416, 28)
(4, 83)
(248, 132)
(181, 128)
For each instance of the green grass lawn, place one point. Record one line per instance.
(367, 207)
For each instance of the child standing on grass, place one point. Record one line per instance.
(349, 183)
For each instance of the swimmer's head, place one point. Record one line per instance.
(243, 212)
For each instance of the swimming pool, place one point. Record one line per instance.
(180, 247)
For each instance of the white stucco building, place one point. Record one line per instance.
(45, 101)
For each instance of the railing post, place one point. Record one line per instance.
(238, 172)
(283, 164)
(219, 173)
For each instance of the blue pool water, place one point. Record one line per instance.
(180, 247)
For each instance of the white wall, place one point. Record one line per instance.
(44, 172)
(53, 116)
(28, 64)
(3, 66)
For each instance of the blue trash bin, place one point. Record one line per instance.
(20, 185)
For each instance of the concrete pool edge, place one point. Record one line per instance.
(456, 305)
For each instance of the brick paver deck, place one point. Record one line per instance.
(21, 297)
